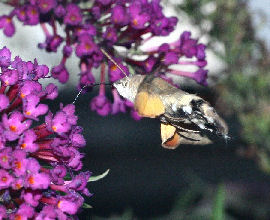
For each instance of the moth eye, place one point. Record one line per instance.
(125, 84)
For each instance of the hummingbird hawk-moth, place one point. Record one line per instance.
(185, 118)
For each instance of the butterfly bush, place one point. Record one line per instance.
(40, 162)
(110, 24)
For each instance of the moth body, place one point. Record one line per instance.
(185, 118)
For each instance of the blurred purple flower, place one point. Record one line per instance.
(46, 5)
(60, 72)
(101, 105)
(7, 25)
(73, 15)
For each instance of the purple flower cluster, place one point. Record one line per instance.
(40, 162)
(106, 24)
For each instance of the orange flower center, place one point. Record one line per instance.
(13, 128)
(59, 204)
(4, 158)
(34, 12)
(45, 5)
(22, 95)
(135, 22)
(18, 217)
(31, 180)
(18, 186)
(18, 164)
(4, 179)
(9, 20)
(73, 18)
(113, 68)
(88, 46)
(23, 145)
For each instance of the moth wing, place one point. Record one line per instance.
(169, 137)
(148, 105)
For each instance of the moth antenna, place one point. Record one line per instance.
(91, 84)
(113, 61)
(79, 93)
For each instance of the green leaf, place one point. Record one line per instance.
(96, 178)
(87, 206)
(218, 207)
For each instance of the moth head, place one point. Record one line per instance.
(128, 86)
